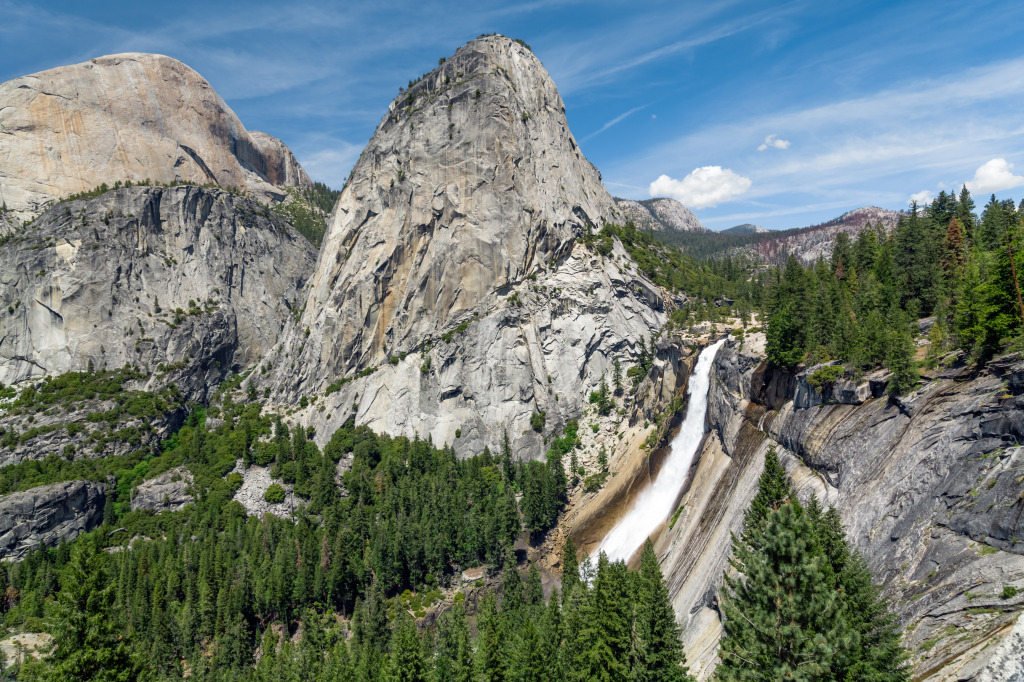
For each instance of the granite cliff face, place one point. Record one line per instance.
(454, 270)
(128, 117)
(928, 486)
(187, 283)
(659, 215)
(48, 514)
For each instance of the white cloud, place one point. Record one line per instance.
(705, 187)
(994, 176)
(773, 141)
(922, 198)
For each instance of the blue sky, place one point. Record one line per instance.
(780, 114)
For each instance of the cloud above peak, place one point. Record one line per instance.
(773, 141)
(994, 176)
(704, 187)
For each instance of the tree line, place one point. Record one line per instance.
(862, 305)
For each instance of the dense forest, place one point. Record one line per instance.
(864, 304)
(342, 590)
(332, 593)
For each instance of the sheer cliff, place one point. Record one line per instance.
(453, 268)
(927, 484)
(187, 283)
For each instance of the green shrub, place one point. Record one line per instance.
(274, 494)
(826, 376)
(594, 482)
(447, 336)
(234, 481)
(538, 420)
(264, 453)
(1009, 591)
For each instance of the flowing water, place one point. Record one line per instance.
(655, 503)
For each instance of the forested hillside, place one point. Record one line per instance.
(863, 305)
(332, 593)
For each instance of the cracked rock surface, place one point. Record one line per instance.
(453, 270)
(48, 514)
(928, 486)
(185, 282)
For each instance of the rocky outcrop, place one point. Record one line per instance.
(73, 431)
(186, 283)
(255, 481)
(745, 228)
(46, 515)
(170, 491)
(128, 117)
(927, 486)
(454, 271)
(660, 215)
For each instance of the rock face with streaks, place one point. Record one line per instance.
(48, 514)
(454, 297)
(927, 484)
(186, 283)
(128, 117)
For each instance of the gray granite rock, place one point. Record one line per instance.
(186, 282)
(453, 269)
(170, 491)
(128, 117)
(927, 486)
(46, 515)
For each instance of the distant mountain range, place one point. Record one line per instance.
(745, 228)
(774, 246)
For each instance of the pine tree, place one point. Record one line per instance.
(608, 623)
(487, 663)
(772, 492)
(660, 656)
(782, 620)
(406, 663)
(89, 645)
(454, 652)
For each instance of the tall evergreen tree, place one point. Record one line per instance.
(782, 619)
(659, 655)
(88, 643)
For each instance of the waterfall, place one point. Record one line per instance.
(655, 503)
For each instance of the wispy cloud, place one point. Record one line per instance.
(618, 119)
(773, 141)
(968, 115)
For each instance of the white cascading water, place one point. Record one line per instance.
(655, 503)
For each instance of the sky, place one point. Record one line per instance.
(780, 114)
